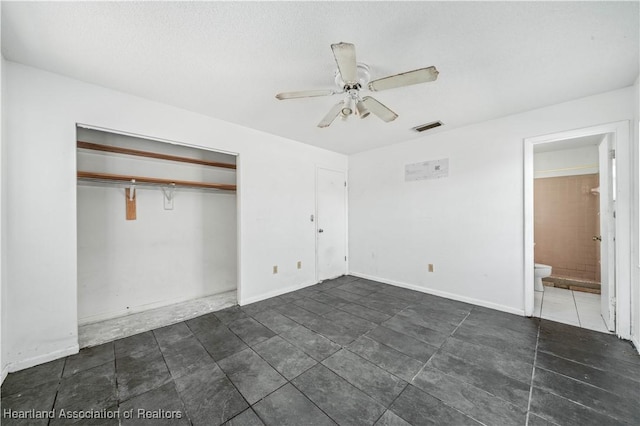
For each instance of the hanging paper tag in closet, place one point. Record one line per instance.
(131, 203)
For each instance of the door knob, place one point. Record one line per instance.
(320, 230)
(596, 238)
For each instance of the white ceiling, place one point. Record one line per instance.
(228, 59)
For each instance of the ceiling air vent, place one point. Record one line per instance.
(424, 127)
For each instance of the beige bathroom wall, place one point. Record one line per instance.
(565, 220)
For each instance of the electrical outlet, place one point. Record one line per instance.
(299, 264)
(431, 267)
(275, 269)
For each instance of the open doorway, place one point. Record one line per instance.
(157, 233)
(572, 231)
(613, 219)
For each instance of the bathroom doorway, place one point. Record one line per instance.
(567, 231)
(586, 158)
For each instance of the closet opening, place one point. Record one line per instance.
(156, 233)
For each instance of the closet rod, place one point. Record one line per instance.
(119, 150)
(143, 179)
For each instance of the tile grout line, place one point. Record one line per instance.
(361, 296)
(582, 363)
(573, 379)
(391, 347)
(438, 350)
(309, 399)
(344, 347)
(575, 305)
(55, 398)
(307, 328)
(434, 354)
(226, 376)
(587, 407)
(459, 380)
(391, 403)
(564, 304)
(321, 362)
(115, 378)
(463, 320)
(533, 373)
(469, 384)
(175, 385)
(366, 361)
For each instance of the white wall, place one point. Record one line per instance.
(566, 162)
(469, 225)
(164, 256)
(635, 258)
(276, 180)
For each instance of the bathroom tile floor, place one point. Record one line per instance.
(570, 307)
(347, 351)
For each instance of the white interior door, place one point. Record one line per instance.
(331, 224)
(607, 232)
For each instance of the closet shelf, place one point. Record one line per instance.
(128, 151)
(155, 181)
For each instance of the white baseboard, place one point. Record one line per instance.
(41, 359)
(274, 293)
(440, 293)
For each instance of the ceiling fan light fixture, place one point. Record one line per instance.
(347, 109)
(361, 109)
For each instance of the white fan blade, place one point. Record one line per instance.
(304, 94)
(331, 115)
(345, 54)
(384, 113)
(423, 75)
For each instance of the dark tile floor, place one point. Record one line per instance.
(346, 351)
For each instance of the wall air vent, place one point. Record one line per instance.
(424, 127)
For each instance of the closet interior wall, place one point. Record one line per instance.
(163, 256)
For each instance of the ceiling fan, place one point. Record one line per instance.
(351, 77)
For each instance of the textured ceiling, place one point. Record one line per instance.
(228, 59)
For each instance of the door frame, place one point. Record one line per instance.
(621, 133)
(346, 220)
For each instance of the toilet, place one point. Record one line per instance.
(540, 271)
